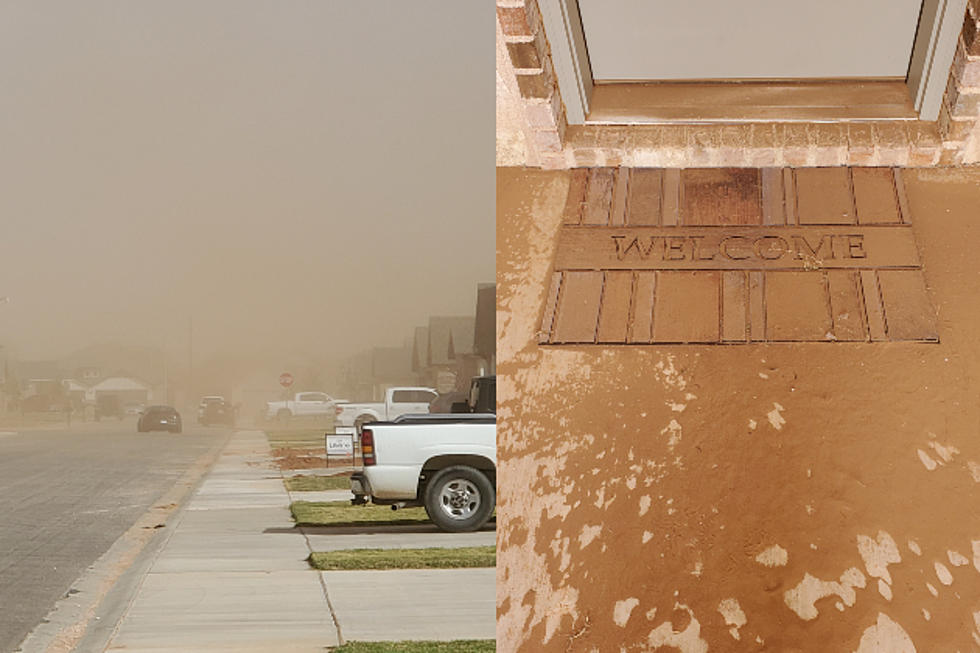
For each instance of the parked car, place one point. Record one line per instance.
(303, 404)
(132, 409)
(218, 412)
(202, 407)
(446, 463)
(482, 397)
(398, 401)
(160, 418)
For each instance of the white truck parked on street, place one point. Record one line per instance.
(397, 402)
(446, 463)
(303, 404)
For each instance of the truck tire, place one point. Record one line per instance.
(284, 415)
(459, 499)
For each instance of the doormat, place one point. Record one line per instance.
(736, 255)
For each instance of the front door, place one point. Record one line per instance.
(640, 40)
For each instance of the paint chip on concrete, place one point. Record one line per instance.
(732, 612)
(802, 598)
(974, 470)
(623, 609)
(686, 641)
(957, 559)
(914, 547)
(942, 573)
(884, 589)
(878, 554)
(885, 635)
(774, 556)
(945, 452)
(752, 424)
(675, 433)
(588, 534)
(929, 463)
(645, 502)
(776, 420)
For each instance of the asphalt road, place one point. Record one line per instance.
(66, 495)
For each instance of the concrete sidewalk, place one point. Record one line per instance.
(233, 576)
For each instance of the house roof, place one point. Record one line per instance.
(118, 383)
(485, 336)
(449, 337)
(71, 385)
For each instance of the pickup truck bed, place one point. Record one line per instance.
(446, 463)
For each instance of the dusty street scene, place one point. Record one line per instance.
(805, 496)
(236, 233)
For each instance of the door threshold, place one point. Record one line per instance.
(631, 103)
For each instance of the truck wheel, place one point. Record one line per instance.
(284, 416)
(459, 499)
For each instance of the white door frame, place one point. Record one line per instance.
(940, 23)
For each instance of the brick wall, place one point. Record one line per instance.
(958, 123)
(551, 143)
(530, 57)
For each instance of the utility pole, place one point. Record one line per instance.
(190, 359)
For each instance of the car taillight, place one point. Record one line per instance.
(338, 410)
(367, 447)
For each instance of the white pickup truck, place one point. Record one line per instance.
(397, 402)
(303, 404)
(446, 463)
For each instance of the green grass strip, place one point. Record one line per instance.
(342, 513)
(457, 646)
(317, 483)
(431, 558)
(311, 436)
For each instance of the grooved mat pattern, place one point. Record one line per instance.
(736, 255)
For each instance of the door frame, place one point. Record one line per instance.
(933, 49)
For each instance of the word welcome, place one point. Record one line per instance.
(694, 248)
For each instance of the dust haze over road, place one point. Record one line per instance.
(305, 178)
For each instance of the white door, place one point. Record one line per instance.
(632, 40)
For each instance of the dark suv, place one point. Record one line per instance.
(159, 418)
(218, 412)
(482, 397)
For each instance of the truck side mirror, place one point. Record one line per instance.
(459, 407)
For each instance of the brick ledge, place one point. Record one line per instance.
(906, 143)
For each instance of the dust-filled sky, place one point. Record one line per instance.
(292, 175)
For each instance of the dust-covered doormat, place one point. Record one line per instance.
(736, 255)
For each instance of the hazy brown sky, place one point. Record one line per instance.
(299, 175)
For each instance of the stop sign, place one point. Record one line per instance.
(285, 379)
